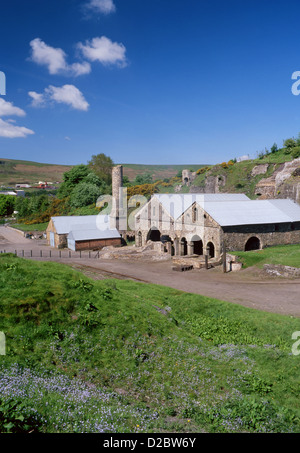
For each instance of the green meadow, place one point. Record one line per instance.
(120, 356)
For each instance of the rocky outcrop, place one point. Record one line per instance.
(212, 184)
(260, 169)
(282, 271)
(284, 182)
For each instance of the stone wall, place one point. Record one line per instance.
(236, 237)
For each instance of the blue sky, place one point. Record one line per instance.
(147, 81)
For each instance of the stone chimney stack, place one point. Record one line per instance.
(118, 218)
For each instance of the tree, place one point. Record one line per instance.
(274, 148)
(84, 194)
(146, 178)
(71, 179)
(289, 144)
(102, 166)
(7, 205)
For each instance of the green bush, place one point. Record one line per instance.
(296, 152)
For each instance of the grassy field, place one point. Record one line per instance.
(287, 255)
(120, 356)
(36, 227)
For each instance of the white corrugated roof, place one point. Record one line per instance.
(289, 207)
(88, 235)
(253, 212)
(177, 204)
(64, 224)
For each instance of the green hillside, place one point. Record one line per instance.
(21, 171)
(120, 356)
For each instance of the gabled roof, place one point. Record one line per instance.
(176, 204)
(64, 224)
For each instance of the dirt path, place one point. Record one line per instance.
(248, 287)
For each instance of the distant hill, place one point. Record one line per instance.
(22, 171)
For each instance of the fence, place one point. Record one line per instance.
(59, 254)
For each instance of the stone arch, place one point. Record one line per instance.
(211, 249)
(253, 243)
(197, 245)
(153, 234)
(183, 246)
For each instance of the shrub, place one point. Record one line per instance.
(295, 152)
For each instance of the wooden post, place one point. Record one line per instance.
(224, 257)
(60, 253)
(206, 261)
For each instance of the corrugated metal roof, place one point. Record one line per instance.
(177, 204)
(253, 212)
(64, 224)
(89, 235)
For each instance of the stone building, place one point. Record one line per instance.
(198, 224)
(82, 232)
(188, 177)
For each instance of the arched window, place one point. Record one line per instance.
(195, 214)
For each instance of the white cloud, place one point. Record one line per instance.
(7, 109)
(67, 94)
(105, 51)
(80, 68)
(101, 6)
(37, 99)
(55, 59)
(7, 128)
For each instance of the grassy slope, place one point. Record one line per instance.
(87, 355)
(238, 176)
(22, 171)
(287, 255)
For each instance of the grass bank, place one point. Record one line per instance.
(26, 228)
(287, 255)
(122, 356)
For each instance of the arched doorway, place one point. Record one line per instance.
(183, 246)
(153, 235)
(211, 249)
(198, 245)
(252, 244)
